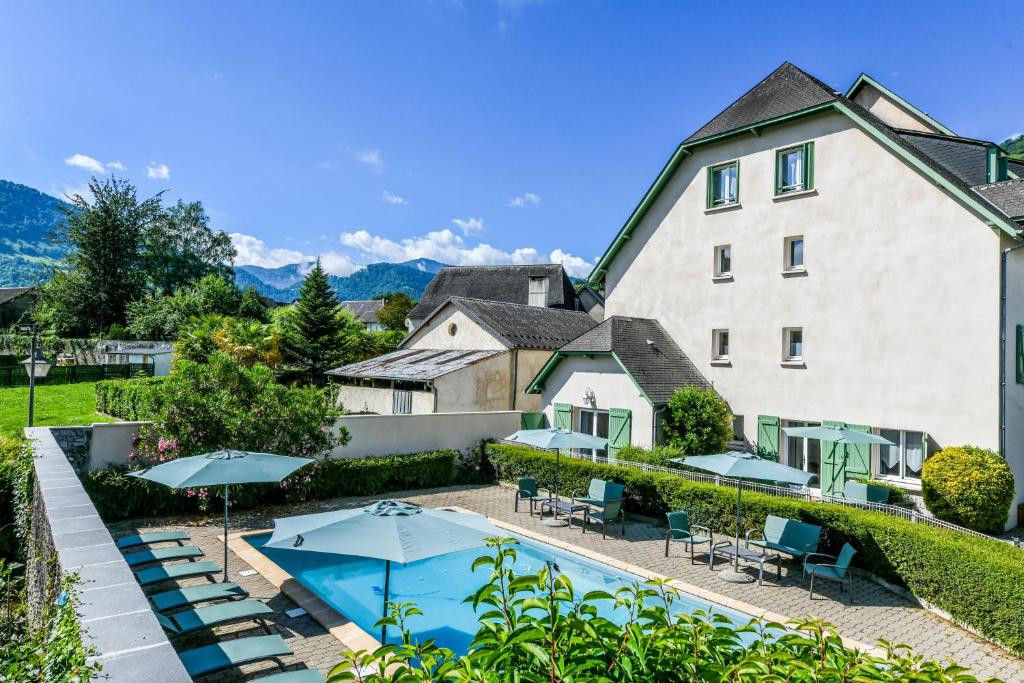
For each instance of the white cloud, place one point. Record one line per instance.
(116, 165)
(469, 226)
(574, 265)
(253, 251)
(528, 199)
(158, 171)
(86, 162)
(392, 198)
(337, 263)
(372, 158)
(440, 245)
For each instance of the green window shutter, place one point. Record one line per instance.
(1020, 354)
(563, 416)
(778, 172)
(711, 186)
(532, 421)
(858, 456)
(737, 181)
(833, 464)
(768, 435)
(809, 166)
(620, 423)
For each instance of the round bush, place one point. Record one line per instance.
(697, 421)
(969, 486)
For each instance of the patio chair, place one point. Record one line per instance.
(610, 512)
(136, 540)
(192, 620)
(297, 676)
(206, 592)
(600, 493)
(786, 536)
(839, 570)
(681, 531)
(208, 659)
(867, 493)
(173, 572)
(139, 557)
(527, 490)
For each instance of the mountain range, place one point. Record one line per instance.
(27, 252)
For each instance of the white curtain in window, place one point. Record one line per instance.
(915, 452)
(794, 168)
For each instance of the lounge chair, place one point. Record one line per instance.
(297, 676)
(192, 620)
(136, 540)
(140, 557)
(172, 572)
(681, 531)
(208, 659)
(786, 536)
(839, 570)
(600, 493)
(206, 592)
(865, 493)
(611, 511)
(527, 491)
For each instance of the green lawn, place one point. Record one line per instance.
(60, 404)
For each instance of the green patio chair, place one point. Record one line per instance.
(206, 592)
(600, 493)
(140, 557)
(527, 490)
(173, 572)
(192, 620)
(865, 493)
(297, 676)
(783, 535)
(136, 540)
(611, 511)
(208, 659)
(839, 570)
(681, 531)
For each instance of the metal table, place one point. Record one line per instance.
(555, 505)
(729, 550)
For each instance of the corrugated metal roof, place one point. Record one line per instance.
(417, 365)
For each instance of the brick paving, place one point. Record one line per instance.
(876, 613)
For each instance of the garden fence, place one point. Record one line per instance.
(15, 375)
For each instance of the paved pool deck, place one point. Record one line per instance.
(876, 612)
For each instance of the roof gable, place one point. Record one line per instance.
(865, 83)
(365, 311)
(510, 284)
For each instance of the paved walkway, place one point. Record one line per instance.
(876, 613)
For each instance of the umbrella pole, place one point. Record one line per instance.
(387, 588)
(225, 533)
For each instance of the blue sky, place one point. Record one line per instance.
(470, 132)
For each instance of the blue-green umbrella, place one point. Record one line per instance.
(222, 468)
(737, 465)
(557, 438)
(388, 530)
(837, 435)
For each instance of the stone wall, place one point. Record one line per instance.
(75, 442)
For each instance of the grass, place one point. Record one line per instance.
(59, 404)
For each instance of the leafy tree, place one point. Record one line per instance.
(251, 306)
(317, 335)
(395, 310)
(249, 342)
(162, 317)
(697, 421)
(180, 248)
(197, 340)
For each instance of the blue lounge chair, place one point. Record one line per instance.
(789, 536)
(527, 490)
(173, 572)
(136, 540)
(208, 659)
(681, 531)
(192, 620)
(140, 557)
(838, 570)
(206, 592)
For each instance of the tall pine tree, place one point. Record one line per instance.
(315, 337)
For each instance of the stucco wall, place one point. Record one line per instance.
(484, 385)
(612, 389)
(1014, 392)
(890, 111)
(468, 335)
(899, 304)
(112, 443)
(367, 399)
(386, 434)
(529, 361)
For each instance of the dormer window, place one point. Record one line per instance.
(794, 169)
(539, 291)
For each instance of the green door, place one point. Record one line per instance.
(833, 464)
(768, 436)
(563, 418)
(620, 423)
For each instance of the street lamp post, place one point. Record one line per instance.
(37, 366)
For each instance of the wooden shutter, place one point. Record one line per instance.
(858, 456)
(809, 166)
(768, 436)
(833, 464)
(531, 421)
(563, 416)
(620, 423)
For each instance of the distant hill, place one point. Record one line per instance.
(1015, 146)
(27, 217)
(282, 284)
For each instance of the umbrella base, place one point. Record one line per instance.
(732, 575)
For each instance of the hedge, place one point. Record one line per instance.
(118, 496)
(129, 399)
(979, 582)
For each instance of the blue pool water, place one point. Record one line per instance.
(354, 587)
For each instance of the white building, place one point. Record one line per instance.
(833, 258)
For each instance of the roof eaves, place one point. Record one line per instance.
(864, 79)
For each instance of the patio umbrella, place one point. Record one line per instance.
(221, 468)
(736, 465)
(557, 438)
(388, 530)
(837, 435)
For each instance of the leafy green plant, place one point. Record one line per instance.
(130, 399)
(969, 486)
(697, 421)
(659, 455)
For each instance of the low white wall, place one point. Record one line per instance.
(112, 443)
(387, 434)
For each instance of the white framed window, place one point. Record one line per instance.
(793, 344)
(401, 402)
(538, 291)
(803, 454)
(794, 257)
(723, 260)
(724, 184)
(593, 422)
(720, 345)
(904, 460)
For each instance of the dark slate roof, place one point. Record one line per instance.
(366, 311)
(10, 293)
(495, 283)
(413, 365)
(967, 159)
(1016, 166)
(659, 368)
(784, 91)
(1007, 195)
(523, 327)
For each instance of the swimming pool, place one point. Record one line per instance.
(354, 587)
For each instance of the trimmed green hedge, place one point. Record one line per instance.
(129, 399)
(977, 581)
(118, 496)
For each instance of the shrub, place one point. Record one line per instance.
(896, 494)
(978, 581)
(129, 399)
(15, 482)
(697, 421)
(969, 486)
(118, 496)
(659, 455)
